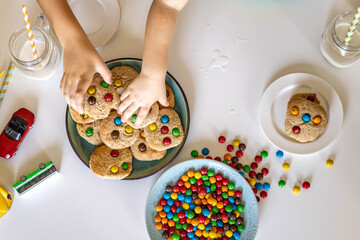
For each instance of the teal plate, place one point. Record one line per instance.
(250, 213)
(141, 169)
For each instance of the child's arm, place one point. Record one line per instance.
(149, 86)
(81, 60)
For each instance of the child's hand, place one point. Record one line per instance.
(81, 62)
(142, 93)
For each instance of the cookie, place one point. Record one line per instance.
(150, 118)
(170, 97)
(80, 118)
(122, 76)
(100, 98)
(116, 134)
(166, 132)
(141, 151)
(90, 132)
(306, 119)
(110, 163)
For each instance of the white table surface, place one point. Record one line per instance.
(262, 41)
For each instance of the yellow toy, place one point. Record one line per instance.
(6, 200)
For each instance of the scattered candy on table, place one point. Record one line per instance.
(286, 166)
(296, 190)
(279, 154)
(329, 163)
(306, 185)
(282, 183)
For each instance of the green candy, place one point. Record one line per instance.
(104, 84)
(224, 161)
(192, 180)
(282, 183)
(231, 186)
(232, 222)
(188, 192)
(240, 207)
(241, 227)
(133, 118)
(175, 132)
(178, 226)
(205, 177)
(228, 208)
(124, 166)
(190, 215)
(246, 168)
(207, 183)
(210, 173)
(194, 153)
(175, 236)
(176, 218)
(212, 187)
(89, 132)
(214, 223)
(264, 154)
(215, 210)
(224, 195)
(184, 226)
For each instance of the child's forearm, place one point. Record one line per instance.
(63, 22)
(160, 28)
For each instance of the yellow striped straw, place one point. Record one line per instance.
(27, 23)
(6, 82)
(352, 28)
(1, 73)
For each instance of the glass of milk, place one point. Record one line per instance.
(21, 54)
(332, 44)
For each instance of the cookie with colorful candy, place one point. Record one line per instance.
(90, 132)
(150, 118)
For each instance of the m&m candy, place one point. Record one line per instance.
(286, 166)
(279, 154)
(306, 185)
(317, 120)
(294, 111)
(306, 117)
(222, 139)
(296, 129)
(296, 190)
(281, 183)
(329, 163)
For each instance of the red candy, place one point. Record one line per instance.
(202, 218)
(238, 193)
(199, 182)
(222, 139)
(258, 158)
(218, 177)
(230, 148)
(189, 228)
(163, 202)
(225, 181)
(173, 208)
(171, 230)
(218, 184)
(219, 198)
(182, 233)
(165, 227)
(239, 153)
(167, 141)
(108, 97)
(194, 188)
(263, 194)
(176, 188)
(186, 238)
(181, 214)
(296, 129)
(265, 171)
(164, 129)
(203, 171)
(182, 220)
(254, 165)
(226, 202)
(232, 165)
(180, 183)
(218, 159)
(114, 153)
(218, 191)
(208, 157)
(224, 215)
(254, 190)
(252, 174)
(177, 203)
(183, 189)
(220, 230)
(306, 185)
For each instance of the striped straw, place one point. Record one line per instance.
(1, 73)
(27, 23)
(352, 28)
(6, 82)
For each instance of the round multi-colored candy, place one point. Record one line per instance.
(133, 118)
(91, 90)
(317, 120)
(306, 185)
(164, 119)
(264, 154)
(205, 151)
(230, 148)
(263, 194)
(222, 139)
(108, 97)
(329, 163)
(175, 132)
(152, 126)
(258, 158)
(114, 153)
(91, 100)
(246, 168)
(296, 130)
(104, 84)
(279, 154)
(265, 171)
(266, 186)
(306, 117)
(295, 111)
(282, 183)
(117, 121)
(236, 142)
(194, 153)
(242, 147)
(89, 132)
(296, 190)
(164, 129)
(286, 166)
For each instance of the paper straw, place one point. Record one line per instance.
(352, 28)
(6, 82)
(27, 23)
(1, 73)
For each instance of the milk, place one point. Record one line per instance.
(335, 55)
(26, 53)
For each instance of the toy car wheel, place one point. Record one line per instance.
(23, 178)
(9, 197)
(42, 166)
(14, 154)
(31, 127)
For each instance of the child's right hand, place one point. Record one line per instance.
(81, 62)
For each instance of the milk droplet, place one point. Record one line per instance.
(232, 110)
(219, 60)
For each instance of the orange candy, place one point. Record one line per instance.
(200, 156)
(164, 220)
(197, 201)
(212, 180)
(162, 214)
(171, 223)
(187, 184)
(316, 120)
(230, 193)
(220, 205)
(198, 233)
(158, 226)
(159, 208)
(157, 218)
(225, 220)
(224, 188)
(190, 173)
(185, 178)
(204, 201)
(227, 157)
(142, 133)
(294, 111)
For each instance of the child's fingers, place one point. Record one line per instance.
(105, 73)
(66, 89)
(125, 94)
(129, 112)
(124, 105)
(143, 112)
(163, 101)
(62, 83)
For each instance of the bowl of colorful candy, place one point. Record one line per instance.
(201, 199)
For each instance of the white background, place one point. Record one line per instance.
(262, 41)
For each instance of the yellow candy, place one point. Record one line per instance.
(294, 111)
(218, 235)
(206, 233)
(286, 166)
(118, 83)
(316, 120)
(201, 226)
(185, 206)
(197, 175)
(84, 116)
(91, 90)
(329, 163)
(229, 233)
(115, 169)
(128, 129)
(236, 142)
(198, 210)
(237, 213)
(174, 196)
(152, 126)
(207, 195)
(296, 190)
(212, 234)
(252, 181)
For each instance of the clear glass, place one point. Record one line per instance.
(48, 59)
(332, 45)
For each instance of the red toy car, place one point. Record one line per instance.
(15, 131)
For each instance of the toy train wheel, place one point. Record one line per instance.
(42, 166)
(23, 178)
(9, 197)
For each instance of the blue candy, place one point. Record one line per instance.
(195, 238)
(266, 186)
(205, 151)
(306, 117)
(205, 212)
(164, 119)
(192, 206)
(179, 209)
(279, 154)
(231, 199)
(242, 174)
(169, 215)
(207, 227)
(258, 186)
(237, 235)
(191, 234)
(166, 195)
(207, 189)
(194, 228)
(170, 202)
(220, 223)
(188, 199)
(181, 197)
(166, 208)
(117, 121)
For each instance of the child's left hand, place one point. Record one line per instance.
(142, 93)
